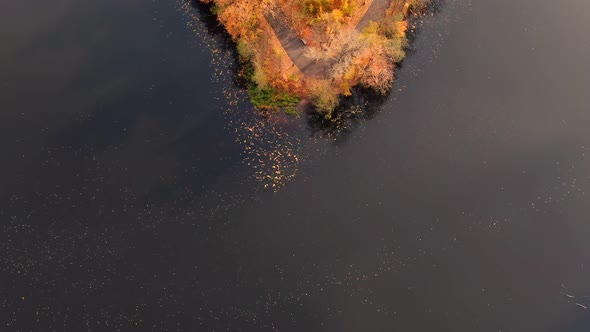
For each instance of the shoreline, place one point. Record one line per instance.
(283, 70)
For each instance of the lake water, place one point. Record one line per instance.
(140, 191)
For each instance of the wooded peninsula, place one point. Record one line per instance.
(316, 50)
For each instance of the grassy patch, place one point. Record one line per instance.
(291, 111)
(267, 98)
(272, 99)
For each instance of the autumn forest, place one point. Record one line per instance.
(316, 50)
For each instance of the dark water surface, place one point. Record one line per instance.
(139, 191)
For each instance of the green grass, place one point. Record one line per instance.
(291, 111)
(268, 98)
(272, 99)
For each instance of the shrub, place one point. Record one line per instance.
(325, 99)
(393, 26)
(394, 48)
(260, 78)
(314, 8)
(348, 7)
(215, 9)
(245, 51)
(271, 99)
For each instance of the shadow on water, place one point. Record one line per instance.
(364, 104)
(214, 27)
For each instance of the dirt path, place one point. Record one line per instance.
(295, 47)
(376, 12)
